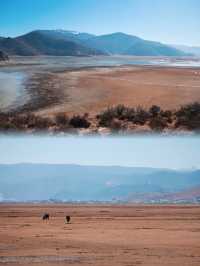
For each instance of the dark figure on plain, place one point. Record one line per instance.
(45, 216)
(67, 219)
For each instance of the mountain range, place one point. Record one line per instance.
(70, 43)
(29, 182)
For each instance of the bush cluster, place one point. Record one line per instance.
(116, 118)
(23, 122)
(155, 117)
(121, 112)
(78, 121)
(189, 116)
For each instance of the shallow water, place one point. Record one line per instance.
(66, 62)
(13, 74)
(12, 90)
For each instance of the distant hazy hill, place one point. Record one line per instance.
(67, 35)
(186, 195)
(195, 50)
(147, 48)
(191, 195)
(115, 43)
(72, 182)
(120, 43)
(60, 42)
(41, 43)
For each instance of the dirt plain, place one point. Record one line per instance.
(101, 235)
(92, 90)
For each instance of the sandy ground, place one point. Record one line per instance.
(92, 90)
(100, 235)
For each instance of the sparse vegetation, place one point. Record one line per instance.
(116, 119)
(188, 116)
(121, 112)
(141, 116)
(158, 123)
(78, 121)
(154, 110)
(62, 119)
(23, 122)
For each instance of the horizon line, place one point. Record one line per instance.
(101, 165)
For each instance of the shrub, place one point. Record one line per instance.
(116, 118)
(61, 119)
(141, 116)
(25, 121)
(168, 115)
(78, 121)
(122, 112)
(129, 114)
(22, 121)
(43, 123)
(138, 116)
(3, 120)
(154, 110)
(158, 123)
(106, 117)
(7, 126)
(189, 110)
(189, 116)
(116, 125)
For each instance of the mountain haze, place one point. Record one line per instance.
(67, 35)
(41, 43)
(121, 43)
(71, 43)
(195, 50)
(22, 182)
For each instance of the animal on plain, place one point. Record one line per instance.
(67, 219)
(45, 216)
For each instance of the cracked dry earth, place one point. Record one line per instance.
(101, 235)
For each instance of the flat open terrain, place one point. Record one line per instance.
(93, 90)
(100, 235)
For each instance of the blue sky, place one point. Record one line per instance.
(171, 21)
(165, 152)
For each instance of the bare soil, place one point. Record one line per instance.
(94, 89)
(101, 235)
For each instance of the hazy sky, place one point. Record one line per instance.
(167, 152)
(170, 21)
